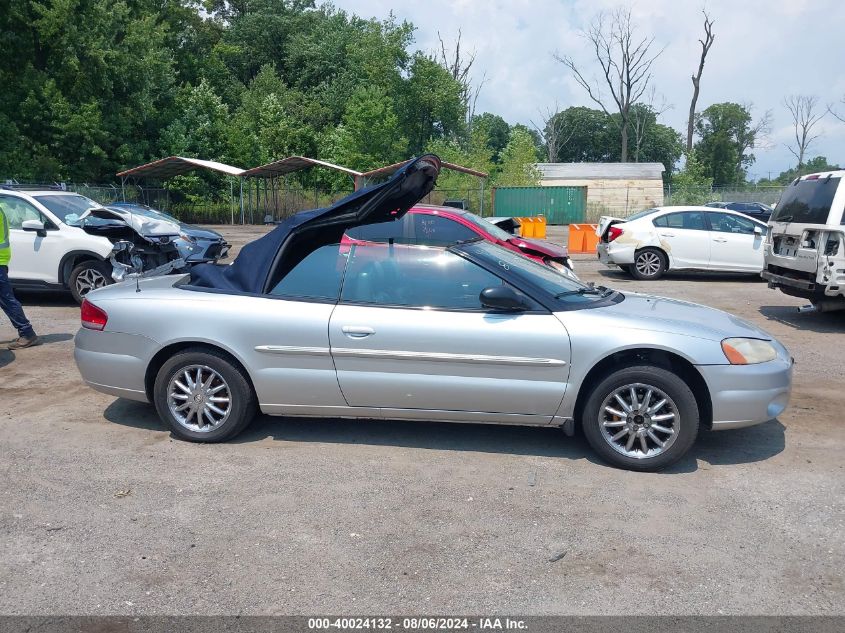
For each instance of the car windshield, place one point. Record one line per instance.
(807, 201)
(546, 278)
(68, 207)
(485, 225)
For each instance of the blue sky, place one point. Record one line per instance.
(764, 50)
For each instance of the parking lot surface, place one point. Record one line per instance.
(102, 512)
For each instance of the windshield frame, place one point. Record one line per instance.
(539, 282)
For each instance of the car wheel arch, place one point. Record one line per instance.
(169, 350)
(662, 358)
(71, 260)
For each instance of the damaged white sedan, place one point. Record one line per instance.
(65, 241)
(649, 243)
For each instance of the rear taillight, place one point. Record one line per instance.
(93, 318)
(613, 232)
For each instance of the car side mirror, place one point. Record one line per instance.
(758, 230)
(34, 225)
(503, 298)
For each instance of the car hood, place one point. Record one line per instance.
(659, 314)
(148, 227)
(200, 233)
(263, 262)
(541, 247)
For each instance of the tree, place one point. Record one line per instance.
(706, 43)
(553, 132)
(498, 131)
(692, 184)
(625, 61)
(459, 68)
(805, 117)
(813, 165)
(836, 113)
(370, 136)
(726, 136)
(518, 168)
(590, 138)
(430, 104)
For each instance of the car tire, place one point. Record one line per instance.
(215, 412)
(649, 264)
(646, 438)
(87, 276)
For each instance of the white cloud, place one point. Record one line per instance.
(764, 49)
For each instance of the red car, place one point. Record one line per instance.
(439, 226)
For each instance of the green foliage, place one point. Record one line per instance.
(725, 134)
(94, 86)
(692, 184)
(814, 165)
(516, 168)
(588, 135)
(498, 131)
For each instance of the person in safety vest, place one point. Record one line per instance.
(11, 306)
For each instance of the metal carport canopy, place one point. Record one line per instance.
(178, 165)
(291, 164)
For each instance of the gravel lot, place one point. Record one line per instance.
(101, 512)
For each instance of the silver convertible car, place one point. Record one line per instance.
(305, 324)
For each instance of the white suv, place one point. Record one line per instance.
(48, 252)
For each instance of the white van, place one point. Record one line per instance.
(805, 243)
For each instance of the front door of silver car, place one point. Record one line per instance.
(410, 336)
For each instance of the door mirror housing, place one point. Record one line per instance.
(34, 225)
(503, 298)
(758, 230)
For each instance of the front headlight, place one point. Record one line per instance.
(188, 238)
(562, 268)
(748, 351)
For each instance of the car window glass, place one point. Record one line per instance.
(661, 221)
(67, 207)
(17, 211)
(415, 277)
(692, 220)
(726, 223)
(317, 277)
(434, 230)
(397, 230)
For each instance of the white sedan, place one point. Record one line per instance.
(651, 242)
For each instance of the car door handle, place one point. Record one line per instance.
(667, 235)
(719, 239)
(357, 331)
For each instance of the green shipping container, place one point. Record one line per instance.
(559, 205)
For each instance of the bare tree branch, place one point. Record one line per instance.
(834, 113)
(459, 66)
(706, 43)
(625, 61)
(554, 132)
(641, 117)
(804, 119)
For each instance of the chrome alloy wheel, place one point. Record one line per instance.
(199, 398)
(88, 280)
(639, 421)
(648, 263)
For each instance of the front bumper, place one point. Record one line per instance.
(744, 395)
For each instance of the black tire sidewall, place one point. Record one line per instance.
(100, 267)
(243, 399)
(666, 381)
(663, 265)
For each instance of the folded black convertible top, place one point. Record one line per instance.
(263, 262)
